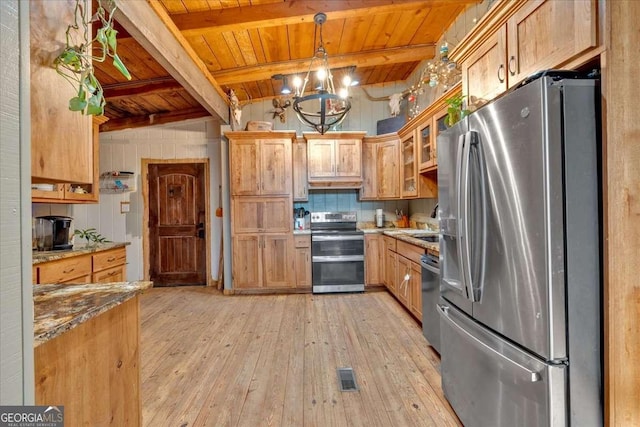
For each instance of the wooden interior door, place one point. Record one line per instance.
(177, 217)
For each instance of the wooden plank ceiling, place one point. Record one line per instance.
(243, 43)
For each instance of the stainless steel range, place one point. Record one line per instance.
(337, 250)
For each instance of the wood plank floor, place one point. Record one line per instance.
(271, 360)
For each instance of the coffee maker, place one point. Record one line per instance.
(53, 233)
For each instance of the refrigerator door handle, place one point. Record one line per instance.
(459, 217)
(464, 248)
(480, 233)
(532, 376)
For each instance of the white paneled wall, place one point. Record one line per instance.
(124, 151)
(363, 116)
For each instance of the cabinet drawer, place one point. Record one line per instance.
(109, 259)
(64, 270)
(410, 251)
(113, 274)
(389, 243)
(302, 241)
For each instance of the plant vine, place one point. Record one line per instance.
(75, 62)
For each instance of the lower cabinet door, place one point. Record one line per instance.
(247, 261)
(278, 261)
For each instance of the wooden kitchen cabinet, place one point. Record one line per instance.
(390, 263)
(403, 279)
(62, 150)
(334, 159)
(110, 266)
(380, 160)
(263, 253)
(300, 187)
(373, 250)
(484, 73)
(408, 166)
(98, 267)
(263, 261)
(403, 276)
(71, 270)
(303, 261)
(415, 291)
(76, 193)
(260, 163)
(261, 214)
(518, 38)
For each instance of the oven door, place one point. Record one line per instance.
(323, 245)
(337, 262)
(338, 273)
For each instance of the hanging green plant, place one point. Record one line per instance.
(75, 62)
(455, 112)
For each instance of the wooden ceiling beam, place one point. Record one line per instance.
(292, 12)
(364, 59)
(153, 119)
(150, 25)
(140, 87)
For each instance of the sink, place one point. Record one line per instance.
(432, 239)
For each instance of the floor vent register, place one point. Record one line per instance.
(347, 379)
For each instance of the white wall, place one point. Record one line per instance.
(16, 298)
(363, 116)
(124, 151)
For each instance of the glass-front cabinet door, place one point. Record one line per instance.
(425, 142)
(439, 125)
(409, 166)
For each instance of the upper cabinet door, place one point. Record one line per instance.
(544, 34)
(388, 173)
(245, 165)
(334, 160)
(320, 162)
(300, 192)
(61, 143)
(275, 168)
(348, 156)
(484, 73)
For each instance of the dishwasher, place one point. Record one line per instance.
(430, 297)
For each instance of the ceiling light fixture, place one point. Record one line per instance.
(326, 108)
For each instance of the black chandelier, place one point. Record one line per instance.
(325, 108)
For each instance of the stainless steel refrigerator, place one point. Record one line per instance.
(520, 310)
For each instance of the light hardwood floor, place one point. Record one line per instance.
(271, 360)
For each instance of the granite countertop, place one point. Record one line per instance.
(46, 256)
(406, 235)
(59, 308)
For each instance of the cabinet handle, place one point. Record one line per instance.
(68, 271)
(111, 259)
(113, 273)
(512, 61)
(501, 68)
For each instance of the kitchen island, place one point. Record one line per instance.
(87, 355)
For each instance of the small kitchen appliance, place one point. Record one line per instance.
(379, 218)
(53, 233)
